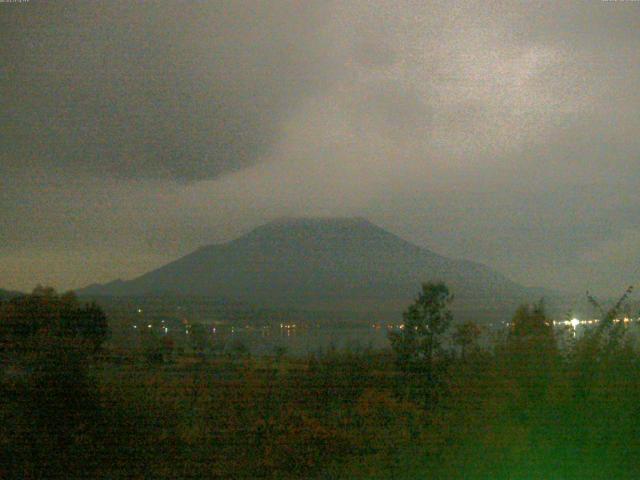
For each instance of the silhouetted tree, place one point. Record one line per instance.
(45, 318)
(598, 346)
(466, 336)
(47, 342)
(424, 323)
(237, 348)
(279, 351)
(532, 349)
(198, 337)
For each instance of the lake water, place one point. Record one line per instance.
(303, 341)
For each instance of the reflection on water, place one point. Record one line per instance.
(302, 341)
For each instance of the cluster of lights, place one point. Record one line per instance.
(150, 325)
(625, 320)
(574, 322)
(287, 326)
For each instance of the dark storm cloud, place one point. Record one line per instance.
(156, 89)
(504, 132)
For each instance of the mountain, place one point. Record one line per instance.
(7, 294)
(326, 265)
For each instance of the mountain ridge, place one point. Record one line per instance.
(9, 294)
(324, 263)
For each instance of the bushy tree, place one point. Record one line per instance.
(198, 338)
(599, 346)
(47, 341)
(530, 322)
(426, 319)
(466, 336)
(532, 349)
(45, 318)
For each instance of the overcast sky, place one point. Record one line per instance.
(506, 133)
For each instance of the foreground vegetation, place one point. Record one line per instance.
(537, 403)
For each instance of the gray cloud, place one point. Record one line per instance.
(154, 90)
(502, 132)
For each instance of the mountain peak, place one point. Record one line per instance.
(316, 227)
(320, 221)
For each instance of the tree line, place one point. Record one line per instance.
(535, 402)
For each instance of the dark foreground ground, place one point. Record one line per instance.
(341, 416)
(531, 403)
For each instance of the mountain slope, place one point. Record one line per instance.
(325, 264)
(8, 294)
